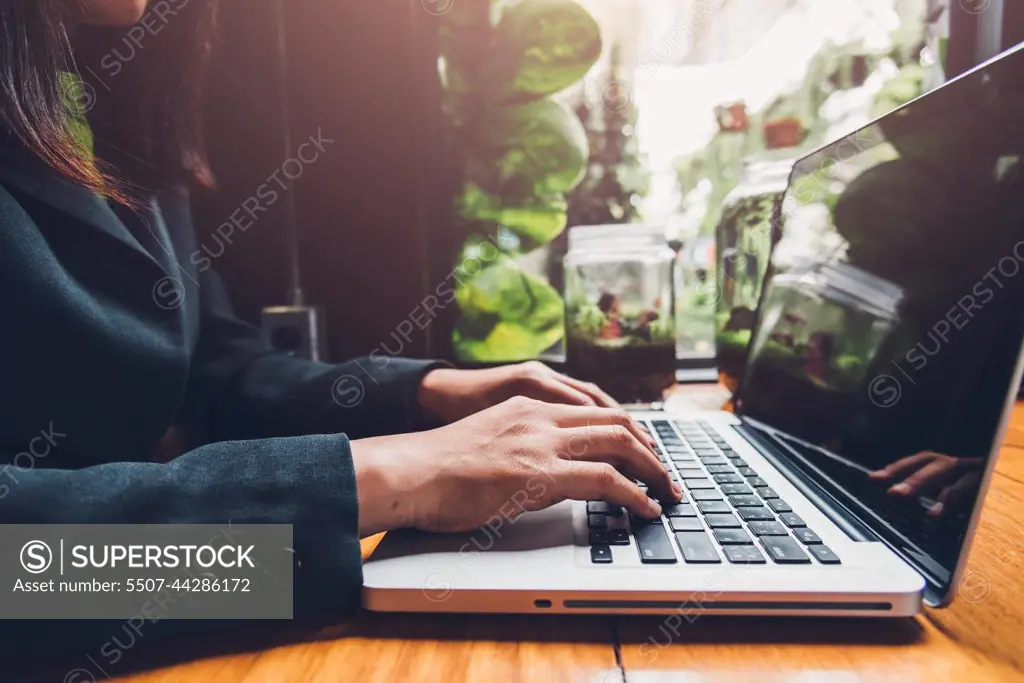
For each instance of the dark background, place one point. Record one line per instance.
(363, 71)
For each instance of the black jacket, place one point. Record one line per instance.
(110, 335)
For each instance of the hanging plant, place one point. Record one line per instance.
(519, 153)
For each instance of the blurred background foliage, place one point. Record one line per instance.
(519, 152)
(566, 113)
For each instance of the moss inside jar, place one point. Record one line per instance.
(620, 327)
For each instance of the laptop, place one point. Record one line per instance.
(883, 363)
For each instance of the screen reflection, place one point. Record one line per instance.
(890, 328)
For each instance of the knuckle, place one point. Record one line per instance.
(621, 435)
(622, 418)
(533, 370)
(606, 476)
(520, 404)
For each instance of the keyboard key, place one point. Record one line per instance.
(618, 537)
(784, 550)
(824, 554)
(736, 460)
(598, 537)
(707, 494)
(728, 479)
(705, 451)
(745, 501)
(714, 506)
(697, 548)
(598, 507)
(597, 522)
(757, 481)
(677, 450)
(635, 521)
(696, 484)
(747, 472)
(720, 469)
(736, 489)
(685, 524)
(791, 519)
(732, 537)
(713, 460)
(766, 492)
(743, 554)
(600, 554)
(727, 521)
(807, 536)
(757, 514)
(779, 505)
(679, 510)
(691, 472)
(653, 544)
(767, 529)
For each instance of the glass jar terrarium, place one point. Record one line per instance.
(620, 328)
(820, 332)
(744, 238)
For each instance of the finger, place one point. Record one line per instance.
(579, 416)
(902, 466)
(618, 447)
(550, 390)
(601, 481)
(592, 390)
(929, 478)
(953, 496)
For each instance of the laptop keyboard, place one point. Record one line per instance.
(727, 510)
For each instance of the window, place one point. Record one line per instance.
(683, 101)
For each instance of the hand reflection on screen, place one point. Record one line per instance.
(951, 481)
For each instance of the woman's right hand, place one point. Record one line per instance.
(518, 456)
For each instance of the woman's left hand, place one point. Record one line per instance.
(450, 395)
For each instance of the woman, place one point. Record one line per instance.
(94, 221)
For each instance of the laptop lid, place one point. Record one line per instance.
(887, 347)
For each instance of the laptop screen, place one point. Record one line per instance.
(890, 327)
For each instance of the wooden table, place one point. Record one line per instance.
(979, 638)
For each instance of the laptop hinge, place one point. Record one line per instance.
(830, 506)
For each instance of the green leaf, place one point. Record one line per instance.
(536, 221)
(507, 314)
(539, 148)
(497, 288)
(506, 342)
(544, 46)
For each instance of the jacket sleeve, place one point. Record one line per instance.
(308, 482)
(241, 388)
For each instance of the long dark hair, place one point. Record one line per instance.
(141, 87)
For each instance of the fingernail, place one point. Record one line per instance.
(901, 489)
(654, 507)
(936, 510)
(677, 490)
